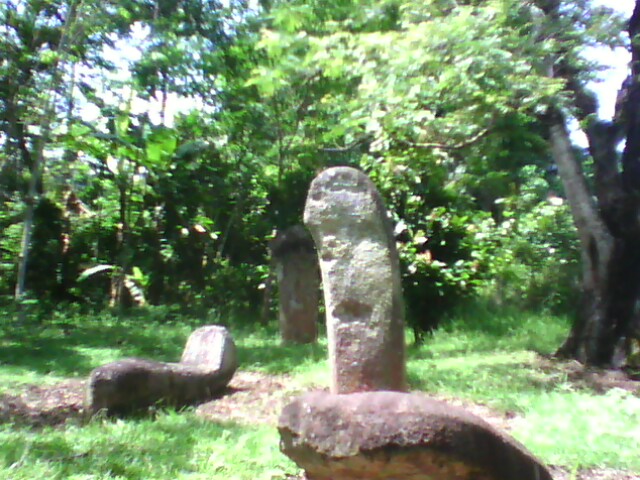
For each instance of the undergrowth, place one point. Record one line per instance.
(479, 355)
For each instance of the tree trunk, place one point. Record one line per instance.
(609, 226)
(122, 245)
(38, 159)
(597, 246)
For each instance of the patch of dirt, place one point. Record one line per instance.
(596, 379)
(258, 398)
(38, 406)
(592, 474)
(251, 398)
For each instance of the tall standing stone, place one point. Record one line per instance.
(361, 280)
(296, 265)
(360, 429)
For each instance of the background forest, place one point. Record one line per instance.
(151, 149)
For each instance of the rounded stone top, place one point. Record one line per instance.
(292, 240)
(342, 193)
(340, 178)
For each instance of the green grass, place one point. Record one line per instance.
(481, 355)
(260, 351)
(58, 347)
(62, 347)
(488, 358)
(172, 446)
(583, 430)
(492, 359)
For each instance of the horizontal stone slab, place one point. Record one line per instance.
(131, 385)
(394, 435)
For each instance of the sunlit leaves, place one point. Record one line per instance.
(268, 81)
(291, 19)
(160, 145)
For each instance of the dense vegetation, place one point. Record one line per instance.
(108, 195)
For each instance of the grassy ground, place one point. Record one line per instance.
(480, 356)
(495, 360)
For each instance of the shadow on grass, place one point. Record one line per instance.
(136, 449)
(68, 349)
(279, 359)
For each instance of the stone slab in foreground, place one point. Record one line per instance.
(393, 435)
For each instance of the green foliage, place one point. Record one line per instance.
(438, 268)
(439, 102)
(89, 272)
(134, 283)
(440, 105)
(9, 245)
(531, 258)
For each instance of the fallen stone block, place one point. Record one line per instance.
(213, 348)
(133, 385)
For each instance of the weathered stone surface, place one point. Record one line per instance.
(393, 435)
(367, 428)
(133, 384)
(211, 347)
(298, 284)
(361, 279)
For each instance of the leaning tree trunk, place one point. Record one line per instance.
(597, 247)
(610, 240)
(608, 219)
